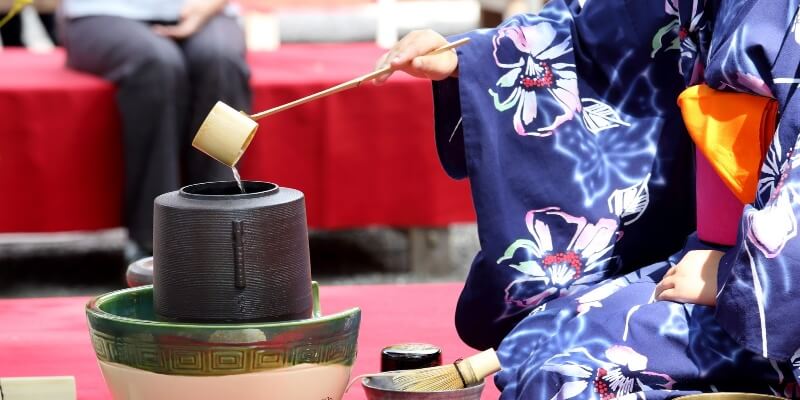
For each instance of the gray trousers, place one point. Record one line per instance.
(165, 88)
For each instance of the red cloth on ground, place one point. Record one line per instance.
(46, 337)
(363, 157)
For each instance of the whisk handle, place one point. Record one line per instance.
(481, 365)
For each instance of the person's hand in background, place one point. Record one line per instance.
(408, 55)
(194, 14)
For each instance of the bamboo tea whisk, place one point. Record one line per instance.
(226, 133)
(463, 373)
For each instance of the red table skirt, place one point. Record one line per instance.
(60, 155)
(364, 157)
(47, 337)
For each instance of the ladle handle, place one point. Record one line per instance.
(355, 82)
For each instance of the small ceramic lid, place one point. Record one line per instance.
(140, 272)
(410, 356)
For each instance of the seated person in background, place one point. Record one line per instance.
(171, 60)
(572, 128)
(11, 32)
(494, 11)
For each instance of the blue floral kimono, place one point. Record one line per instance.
(582, 174)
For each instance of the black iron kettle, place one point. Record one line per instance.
(224, 256)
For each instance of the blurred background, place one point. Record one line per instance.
(380, 207)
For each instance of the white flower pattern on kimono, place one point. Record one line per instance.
(772, 171)
(796, 27)
(771, 227)
(532, 70)
(549, 272)
(593, 298)
(624, 373)
(792, 389)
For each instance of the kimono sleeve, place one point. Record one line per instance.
(759, 279)
(599, 31)
(508, 119)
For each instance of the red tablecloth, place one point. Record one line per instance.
(60, 147)
(364, 157)
(41, 337)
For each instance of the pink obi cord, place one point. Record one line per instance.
(718, 209)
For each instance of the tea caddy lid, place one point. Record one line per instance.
(410, 356)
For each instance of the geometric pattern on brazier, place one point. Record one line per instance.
(175, 359)
(100, 347)
(150, 358)
(186, 360)
(268, 359)
(337, 352)
(307, 354)
(228, 360)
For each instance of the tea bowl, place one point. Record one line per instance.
(380, 388)
(144, 357)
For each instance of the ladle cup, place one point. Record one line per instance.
(226, 133)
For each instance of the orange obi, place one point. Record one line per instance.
(732, 132)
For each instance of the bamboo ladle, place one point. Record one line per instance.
(226, 133)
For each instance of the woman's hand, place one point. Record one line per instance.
(692, 280)
(408, 55)
(194, 15)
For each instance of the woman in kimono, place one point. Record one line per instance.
(591, 280)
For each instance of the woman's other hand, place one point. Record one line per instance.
(194, 15)
(692, 280)
(408, 55)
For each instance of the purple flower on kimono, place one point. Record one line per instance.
(564, 251)
(624, 373)
(771, 227)
(528, 55)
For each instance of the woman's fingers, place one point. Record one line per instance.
(418, 43)
(381, 64)
(665, 284)
(405, 56)
(387, 58)
(669, 294)
(666, 289)
(436, 67)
